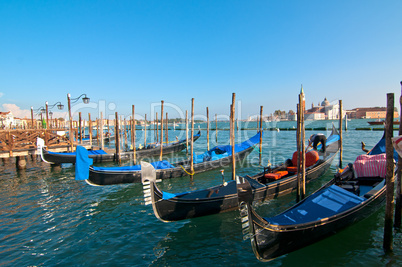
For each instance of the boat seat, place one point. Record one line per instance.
(351, 186)
(276, 175)
(374, 191)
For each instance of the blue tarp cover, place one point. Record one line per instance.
(322, 204)
(82, 163)
(219, 152)
(157, 165)
(379, 148)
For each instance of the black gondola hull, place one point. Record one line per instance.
(196, 204)
(174, 210)
(273, 241)
(285, 186)
(179, 208)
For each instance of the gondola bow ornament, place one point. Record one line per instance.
(397, 143)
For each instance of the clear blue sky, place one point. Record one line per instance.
(142, 52)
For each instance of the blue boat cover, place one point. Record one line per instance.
(379, 148)
(164, 164)
(90, 152)
(219, 152)
(82, 163)
(322, 204)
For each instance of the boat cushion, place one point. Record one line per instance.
(276, 175)
(370, 166)
(311, 158)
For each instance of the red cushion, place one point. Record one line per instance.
(311, 158)
(276, 175)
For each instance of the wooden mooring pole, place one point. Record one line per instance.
(398, 205)
(133, 135)
(108, 129)
(390, 178)
(167, 129)
(260, 129)
(21, 162)
(303, 152)
(232, 135)
(160, 156)
(102, 142)
(80, 127)
(186, 132)
(207, 129)
(90, 129)
(298, 134)
(340, 134)
(192, 140)
(125, 135)
(145, 131)
(216, 128)
(156, 128)
(33, 126)
(70, 123)
(117, 132)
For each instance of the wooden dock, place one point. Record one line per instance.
(16, 143)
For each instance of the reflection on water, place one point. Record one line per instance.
(48, 218)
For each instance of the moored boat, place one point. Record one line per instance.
(216, 157)
(100, 156)
(221, 198)
(381, 122)
(355, 193)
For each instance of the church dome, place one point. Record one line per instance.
(325, 103)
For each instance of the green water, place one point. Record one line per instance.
(47, 218)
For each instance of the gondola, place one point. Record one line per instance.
(106, 139)
(379, 122)
(221, 198)
(355, 193)
(100, 156)
(216, 157)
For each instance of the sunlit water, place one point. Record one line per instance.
(48, 218)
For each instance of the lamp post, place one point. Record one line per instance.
(37, 111)
(85, 99)
(60, 106)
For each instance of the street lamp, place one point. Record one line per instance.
(60, 106)
(85, 99)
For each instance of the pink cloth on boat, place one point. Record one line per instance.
(370, 166)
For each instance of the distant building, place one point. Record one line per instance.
(370, 113)
(323, 111)
(6, 119)
(292, 116)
